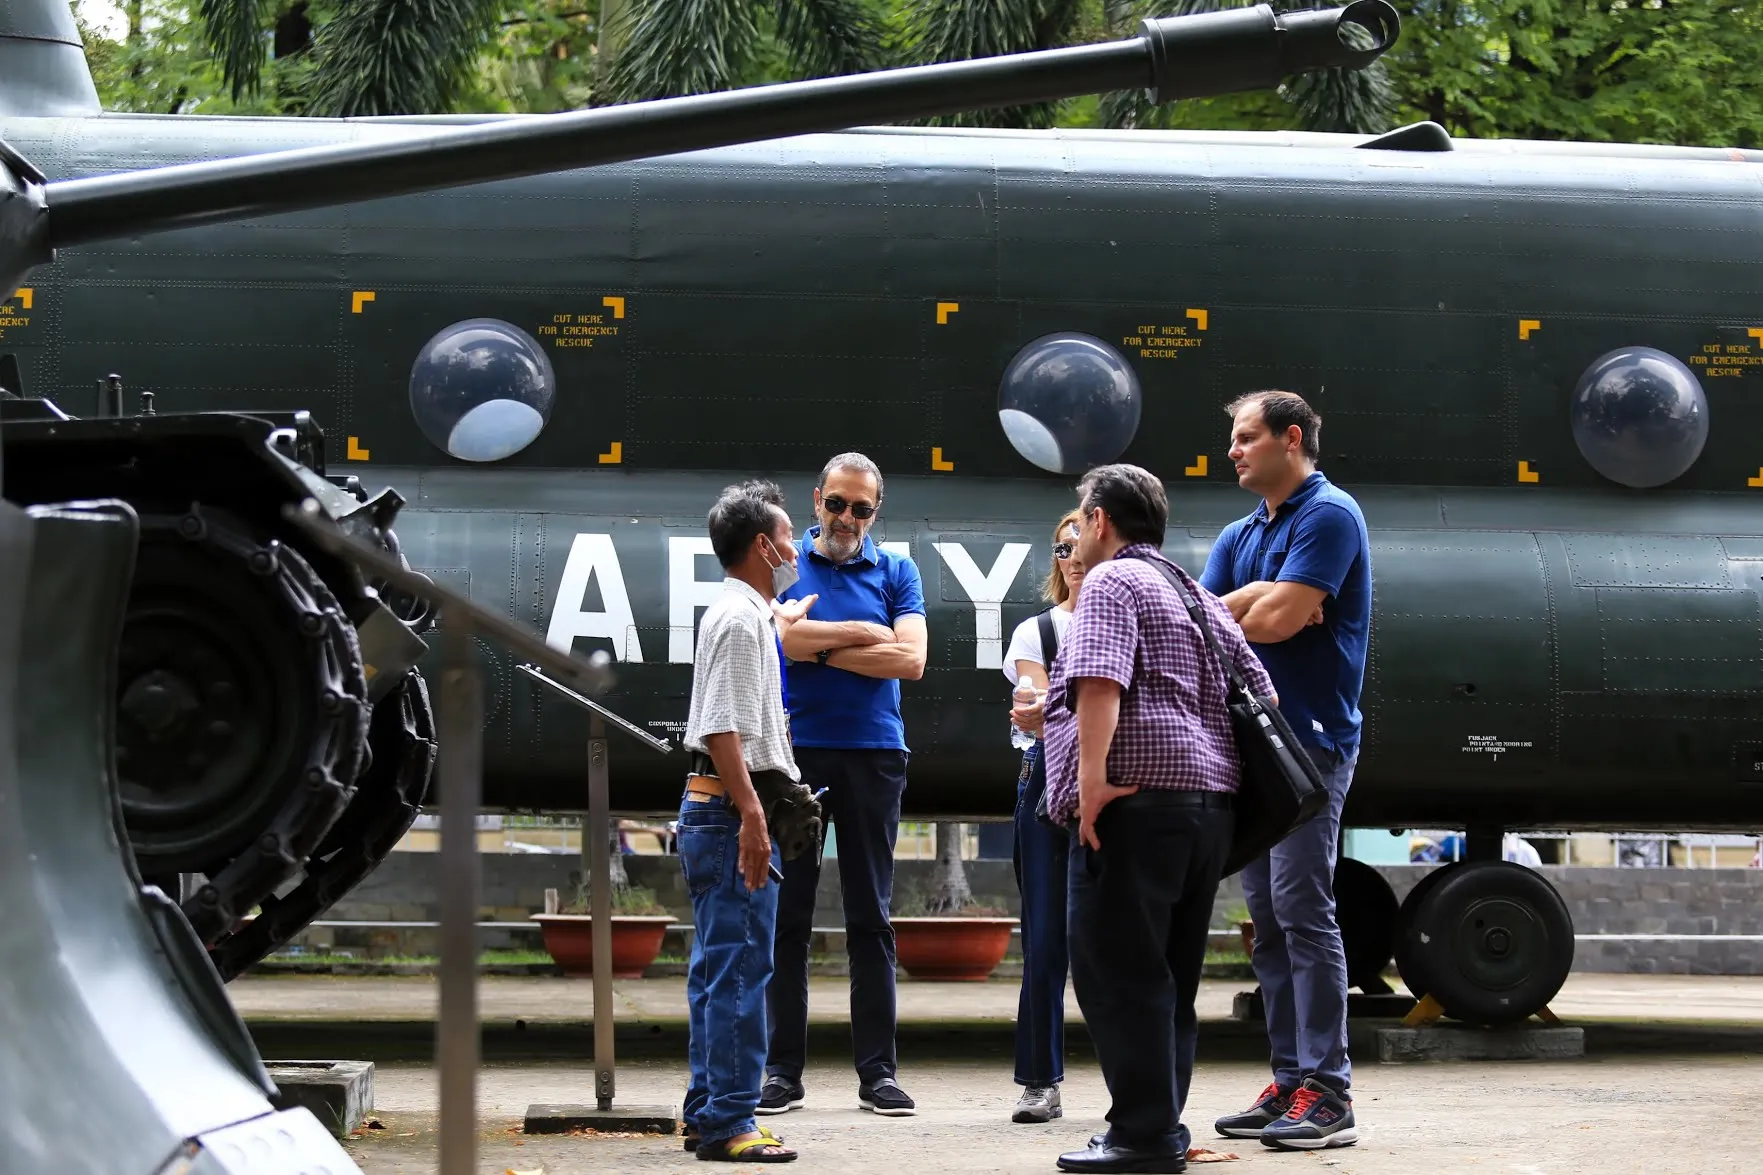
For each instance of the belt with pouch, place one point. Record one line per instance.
(792, 813)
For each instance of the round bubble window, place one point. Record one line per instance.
(1069, 402)
(482, 390)
(1639, 417)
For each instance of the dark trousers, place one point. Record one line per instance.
(1138, 918)
(862, 801)
(1041, 859)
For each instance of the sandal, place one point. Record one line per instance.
(693, 1137)
(767, 1148)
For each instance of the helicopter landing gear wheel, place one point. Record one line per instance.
(1493, 940)
(1366, 911)
(1408, 958)
(241, 711)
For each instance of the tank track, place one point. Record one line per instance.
(387, 800)
(335, 753)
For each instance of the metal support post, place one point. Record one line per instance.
(600, 858)
(461, 779)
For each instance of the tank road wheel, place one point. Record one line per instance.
(386, 803)
(1365, 909)
(241, 711)
(1408, 956)
(1495, 941)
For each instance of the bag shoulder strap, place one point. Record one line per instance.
(1198, 615)
(1049, 639)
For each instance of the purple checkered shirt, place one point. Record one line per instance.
(1174, 730)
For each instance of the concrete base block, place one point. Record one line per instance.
(1480, 1044)
(1392, 1005)
(339, 1093)
(554, 1119)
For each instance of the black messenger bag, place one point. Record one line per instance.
(1280, 787)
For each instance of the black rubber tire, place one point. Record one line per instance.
(1367, 913)
(1496, 942)
(1409, 964)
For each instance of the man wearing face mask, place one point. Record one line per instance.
(868, 634)
(739, 739)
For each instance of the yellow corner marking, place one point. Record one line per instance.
(944, 309)
(614, 456)
(359, 299)
(1526, 473)
(937, 463)
(1198, 468)
(356, 452)
(1756, 482)
(26, 296)
(1526, 325)
(1756, 332)
(617, 305)
(1200, 317)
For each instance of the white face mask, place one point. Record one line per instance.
(783, 576)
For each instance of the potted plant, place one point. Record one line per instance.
(639, 923)
(945, 934)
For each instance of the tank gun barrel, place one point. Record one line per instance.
(1177, 57)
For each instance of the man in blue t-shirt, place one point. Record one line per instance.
(846, 664)
(1296, 573)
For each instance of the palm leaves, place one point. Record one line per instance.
(397, 56)
(419, 56)
(959, 30)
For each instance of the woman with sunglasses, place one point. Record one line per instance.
(1041, 851)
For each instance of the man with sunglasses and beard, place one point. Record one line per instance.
(843, 683)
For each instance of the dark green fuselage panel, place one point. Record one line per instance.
(1549, 647)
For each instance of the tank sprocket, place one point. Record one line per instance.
(385, 805)
(242, 711)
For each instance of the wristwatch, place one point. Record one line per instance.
(820, 657)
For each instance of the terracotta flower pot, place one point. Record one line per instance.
(964, 949)
(636, 940)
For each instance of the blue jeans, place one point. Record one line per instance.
(1042, 858)
(730, 970)
(1298, 957)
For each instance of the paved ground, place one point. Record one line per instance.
(1659, 1116)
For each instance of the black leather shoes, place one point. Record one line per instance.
(1101, 1156)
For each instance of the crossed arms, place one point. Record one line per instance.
(1272, 612)
(873, 650)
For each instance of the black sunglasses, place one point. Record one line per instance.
(1063, 550)
(835, 506)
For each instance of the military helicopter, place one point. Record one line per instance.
(126, 516)
(1518, 349)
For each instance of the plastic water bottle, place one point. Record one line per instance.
(1021, 739)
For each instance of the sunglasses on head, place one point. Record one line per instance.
(1063, 550)
(835, 506)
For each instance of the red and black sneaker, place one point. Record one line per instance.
(1268, 1109)
(1318, 1118)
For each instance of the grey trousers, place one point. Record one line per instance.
(1298, 957)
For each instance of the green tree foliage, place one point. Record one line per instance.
(1674, 71)
(163, 65)
(1651, 71)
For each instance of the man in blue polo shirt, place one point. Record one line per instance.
(1296, 573)
(846, 665)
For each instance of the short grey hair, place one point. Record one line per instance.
(852, 463)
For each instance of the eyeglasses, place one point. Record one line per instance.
(835, 506)
(1063, 550)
